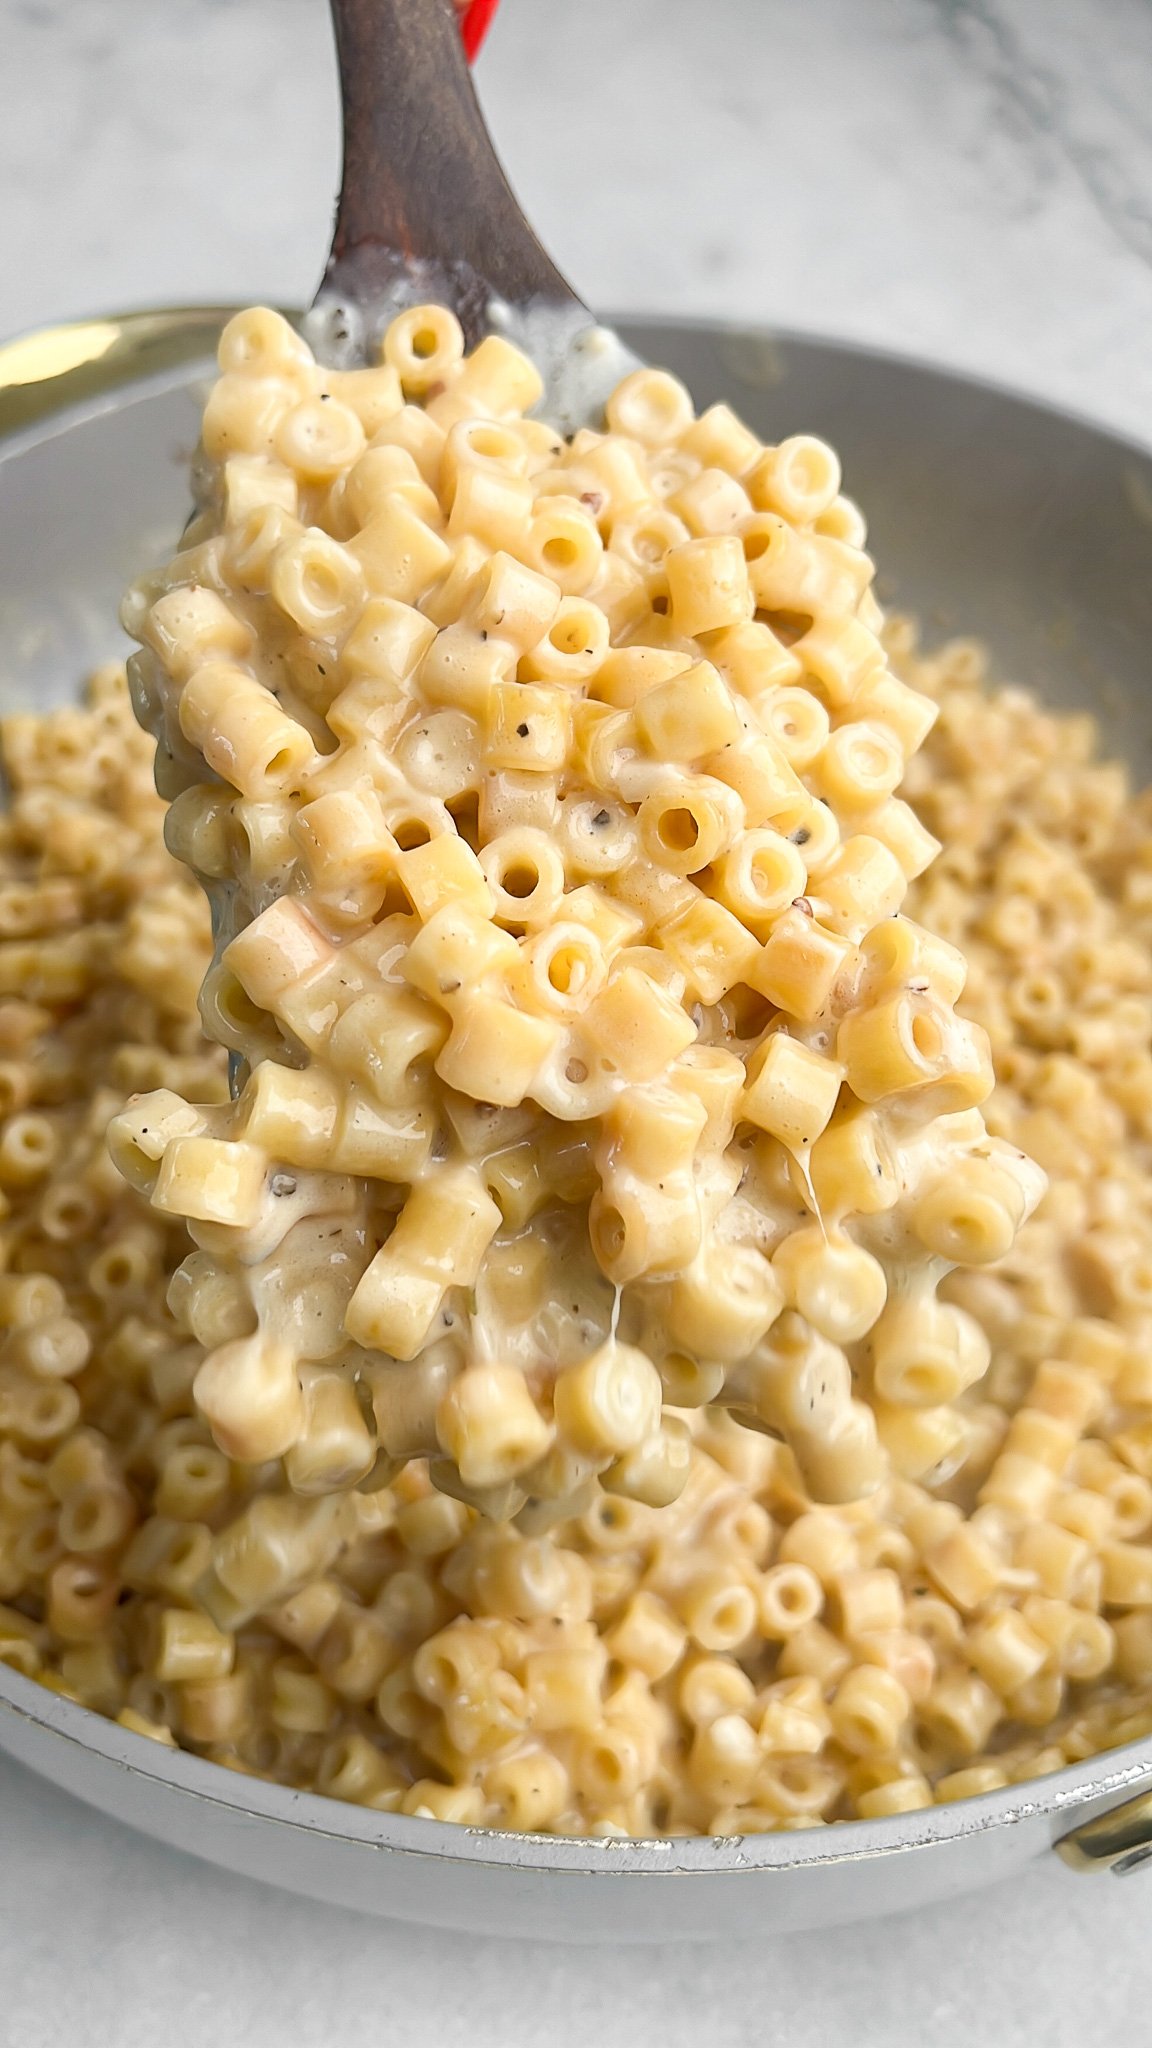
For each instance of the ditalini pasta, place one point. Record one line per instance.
(585, 1070)
(742, 1660)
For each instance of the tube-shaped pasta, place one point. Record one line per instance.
(760, 876)
(724, 1302)
(526, 877)
(908, 1042)
(970, 1216)
(708, 585)
(319, 438)
(249, 1394)
(926, 1352)
(688, 716)
(242, 731)
(651, 407)
(334, 1448)
(868, 1711)
(800, 479)
(489, 1425)
(800, 963)
(836, 1285)
(688, 823)
(791, 1091)
(564, 968)
(189, 627)
(562, 542)
(438, 1242)
(609, 1402)
(258, 342)
(423, 345)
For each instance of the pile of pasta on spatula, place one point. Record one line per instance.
(586, 1074)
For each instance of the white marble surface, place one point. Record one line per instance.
(971, 179)
(107, 1941)
(968, 178)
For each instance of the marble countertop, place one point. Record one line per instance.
(969, 179)
(107, 1941)
(966, 179)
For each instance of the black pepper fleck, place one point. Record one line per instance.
(522, 730)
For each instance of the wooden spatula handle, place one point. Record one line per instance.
(425, 210)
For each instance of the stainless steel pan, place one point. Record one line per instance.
(989, 515)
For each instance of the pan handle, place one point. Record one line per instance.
(1119, 1840)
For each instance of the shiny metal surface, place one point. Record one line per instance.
(1119, 1840)
(989, 515)
(535, 1885)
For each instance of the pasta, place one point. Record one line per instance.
(545, 795)
(330, 1573)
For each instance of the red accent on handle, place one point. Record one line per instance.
(475, 21)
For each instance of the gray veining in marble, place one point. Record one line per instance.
(967, 179)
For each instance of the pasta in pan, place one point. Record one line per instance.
(742, 1659)
(611, 1070)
